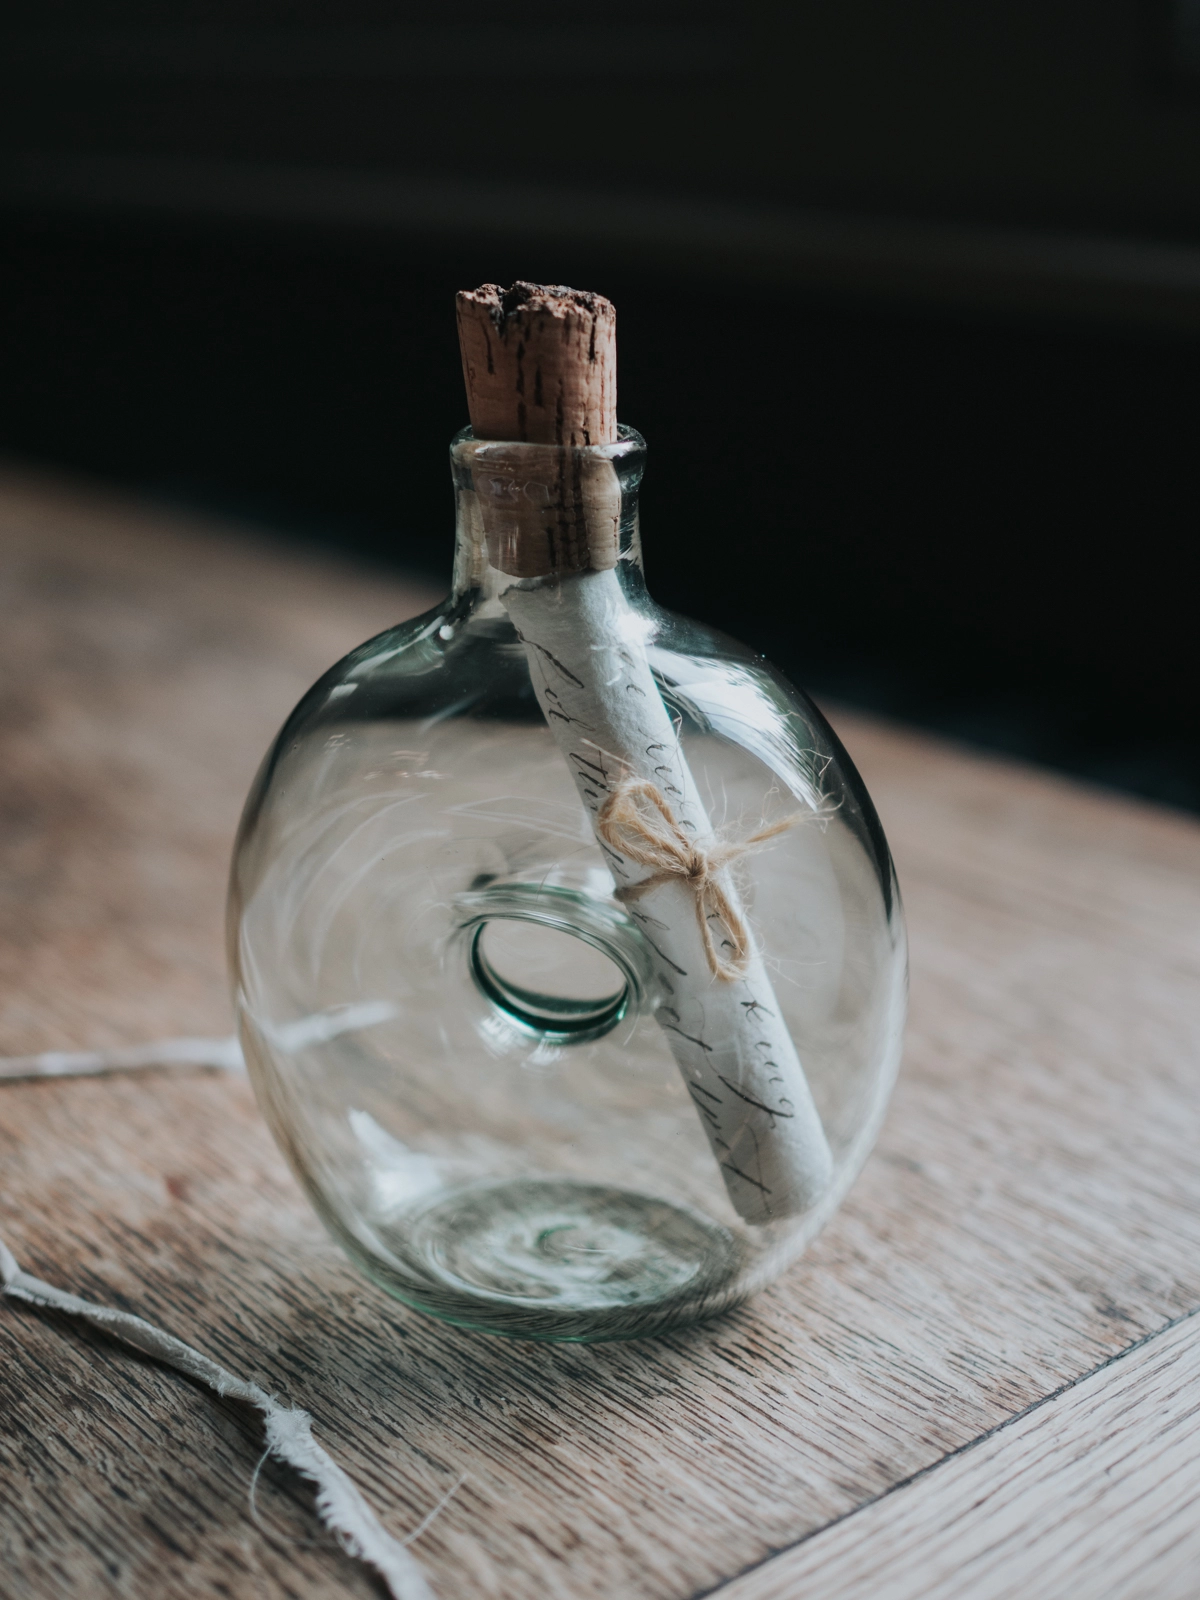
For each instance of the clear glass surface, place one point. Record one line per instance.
(450, 1020)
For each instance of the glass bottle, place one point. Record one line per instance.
(454, 1020)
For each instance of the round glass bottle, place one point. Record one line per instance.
(452, 1014)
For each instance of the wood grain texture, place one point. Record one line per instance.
(1093, 1493)
(1030, 1211)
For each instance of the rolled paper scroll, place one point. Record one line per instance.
(721, 1017)
(551, 519)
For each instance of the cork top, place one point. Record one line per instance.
(540, 364)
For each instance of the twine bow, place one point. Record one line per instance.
(636, 821)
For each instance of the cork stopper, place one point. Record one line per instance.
(540, 366)
(540, 363)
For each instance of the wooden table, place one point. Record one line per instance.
(980, 1382)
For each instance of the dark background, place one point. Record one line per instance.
(908, 297)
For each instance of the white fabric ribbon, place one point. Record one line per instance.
(288, 1431)
(223, 1053)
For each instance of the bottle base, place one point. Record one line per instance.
(550, 1258)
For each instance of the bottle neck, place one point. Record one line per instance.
(543, 511)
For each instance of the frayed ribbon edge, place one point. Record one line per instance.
(288, 1431)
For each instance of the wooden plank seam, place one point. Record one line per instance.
(735, 1580)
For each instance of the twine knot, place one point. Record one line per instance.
(638, 823)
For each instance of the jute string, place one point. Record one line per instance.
(638, 823)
